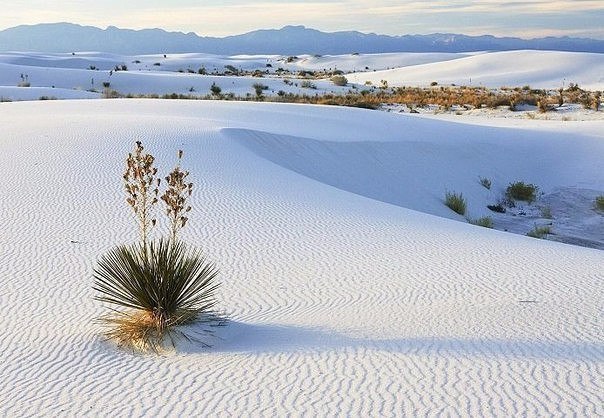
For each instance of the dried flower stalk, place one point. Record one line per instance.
(142, 188)
(175, 198)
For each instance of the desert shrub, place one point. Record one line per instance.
(596, 101)
(600, 202)
(47, 98)
(362, 105)
(339, 80)
(542, 105)
(230, 69)
(24, 81)
(456, 202)
(154, 286)
(485, 221)
(539, 231)
(259, 88)
(111, 94)
(522, 191)
(546, 212)
(485, 182)
(306, 84)
(215, 89)
(499, 208)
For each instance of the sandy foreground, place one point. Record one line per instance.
(347, 296)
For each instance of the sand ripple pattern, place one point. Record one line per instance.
(341, 305)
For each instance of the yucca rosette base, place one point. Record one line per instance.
(153, 289)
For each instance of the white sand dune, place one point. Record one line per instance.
(58, 80)
(539, 69)
(194, 61)
(343, 301)
(367, 62)
(70, 76)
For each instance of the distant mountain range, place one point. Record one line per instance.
(289, 40)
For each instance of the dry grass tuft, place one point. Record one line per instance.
(456, 202)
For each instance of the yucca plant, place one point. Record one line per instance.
(162, 286)
(155, 286)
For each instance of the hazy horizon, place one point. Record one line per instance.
(104, 27)
(522, 19)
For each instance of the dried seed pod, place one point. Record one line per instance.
(139, 180)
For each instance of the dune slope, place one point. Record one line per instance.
(539, 69)
(342, 302)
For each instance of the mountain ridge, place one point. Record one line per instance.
(288, 40)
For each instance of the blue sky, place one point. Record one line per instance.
(581, 18)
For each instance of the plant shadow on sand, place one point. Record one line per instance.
(239, 337)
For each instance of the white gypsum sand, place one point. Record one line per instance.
(341, 303)
(539, 69)
(67, 76)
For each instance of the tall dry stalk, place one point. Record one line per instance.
(175, 198)
(142, 188)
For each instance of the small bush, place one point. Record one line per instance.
(456, 202)
(546, 212)
(539, 231)
(339, 80)
(24, 81)
(215, 89)
(485, 182)
(499, 208)
(522, 191)
(305, 84)
(111, 94)
(485, 221)
(230, 69)
(600, 202)
(259, 88)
